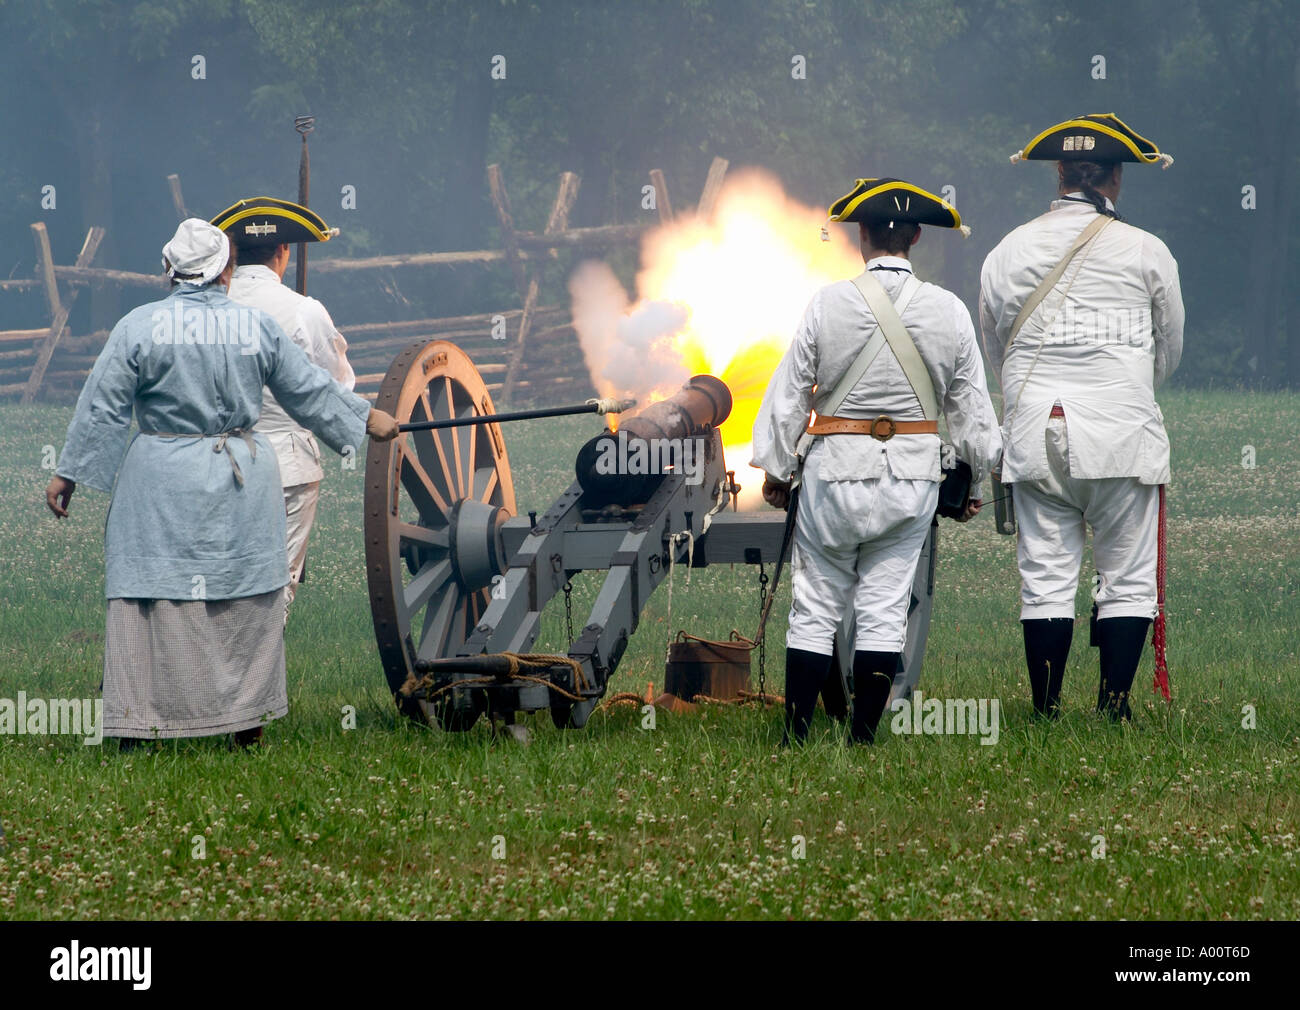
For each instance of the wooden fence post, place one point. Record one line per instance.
(661, 195)
(558, 221)
(45, 268)
(501, 201)
(712, 187)
(59, 309)
(178, 201)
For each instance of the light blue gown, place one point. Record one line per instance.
(182, 525)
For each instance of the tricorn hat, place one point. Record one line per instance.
(1102, 136)
(877, 201)
(264, 220)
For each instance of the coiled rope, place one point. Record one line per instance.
(516, 665)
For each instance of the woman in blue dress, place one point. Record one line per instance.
(194, 542)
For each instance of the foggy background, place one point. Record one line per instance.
(100, 102)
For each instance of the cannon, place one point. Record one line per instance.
(458, 579)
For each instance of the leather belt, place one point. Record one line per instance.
(881, 428)
(219, 446)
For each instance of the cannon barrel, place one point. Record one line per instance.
(602, 469)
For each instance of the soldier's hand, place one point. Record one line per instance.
(972, 509)
(776, 492)
(58, 494)
(381, 426)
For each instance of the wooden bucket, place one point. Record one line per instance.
(714, 669)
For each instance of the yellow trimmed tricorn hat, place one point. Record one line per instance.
(880, 201)
(264, 220)
(1102, 136)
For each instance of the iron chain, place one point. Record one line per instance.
(568, 609)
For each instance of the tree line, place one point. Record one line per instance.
(414, 99)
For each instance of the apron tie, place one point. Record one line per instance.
(218, 446)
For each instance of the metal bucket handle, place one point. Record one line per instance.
(735, 638)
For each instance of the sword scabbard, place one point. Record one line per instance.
(1004, 508)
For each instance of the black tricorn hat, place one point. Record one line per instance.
(264, 220)
(877, 201)
(1102, 136)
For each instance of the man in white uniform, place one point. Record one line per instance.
(869, 488)
(1081, 352)
(262, 230)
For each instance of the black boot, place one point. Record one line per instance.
(804, 673)
(247, 738)
(1121, 640)
(1047, 646)
(873, 676)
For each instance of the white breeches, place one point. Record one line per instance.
(856, 545)
(1052, 513)
(299, 514)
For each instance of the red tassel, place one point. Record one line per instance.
(1158, 631)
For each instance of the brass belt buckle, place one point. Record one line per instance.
(875, 433)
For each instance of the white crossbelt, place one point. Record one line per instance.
(886, 319)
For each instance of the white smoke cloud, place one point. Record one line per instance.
(628, 354)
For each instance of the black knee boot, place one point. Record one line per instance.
(873, 676)
(1121, 640)
(1047, 646)
(804, 673)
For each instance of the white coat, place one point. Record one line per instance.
(835, 326)
(866, 504)
(1098, 344)
(309, 326)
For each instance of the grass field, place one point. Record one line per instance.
(701, 817)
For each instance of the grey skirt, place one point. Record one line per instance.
(177, 668)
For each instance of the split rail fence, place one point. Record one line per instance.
(539, 360)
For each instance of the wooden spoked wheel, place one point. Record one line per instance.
(434, 503)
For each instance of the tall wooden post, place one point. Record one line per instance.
(304, 125)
